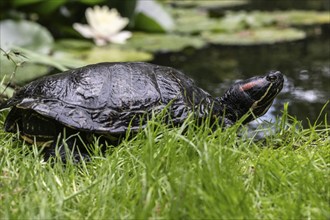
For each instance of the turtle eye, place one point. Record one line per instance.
(272, 77)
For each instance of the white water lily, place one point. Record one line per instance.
(104, 25)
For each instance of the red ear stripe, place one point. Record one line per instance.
(249, 85)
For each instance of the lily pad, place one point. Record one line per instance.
(257, 19)
(151, 17)
(73, 44)
(163, 42)
(108, 54)
(75, 53)
(193, 21)
(302, 17)
(238, 21)
(255, 37)
(209, 3)
(25, 34)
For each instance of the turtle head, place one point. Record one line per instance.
(254, 95)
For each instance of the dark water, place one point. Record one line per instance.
(305, 64)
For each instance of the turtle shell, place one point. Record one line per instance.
(108, 97)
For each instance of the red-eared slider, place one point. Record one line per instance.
(107, 98)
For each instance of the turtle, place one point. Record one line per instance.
(106, 99)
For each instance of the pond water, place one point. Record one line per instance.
(305, 64)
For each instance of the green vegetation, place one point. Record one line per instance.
(171, 174)
(46, 35)
(187, 172)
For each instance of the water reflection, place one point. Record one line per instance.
(305, 64)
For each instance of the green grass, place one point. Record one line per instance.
(166, 173)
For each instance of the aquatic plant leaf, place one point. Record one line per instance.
(151, 17)
(255, 37)
(73, 44)
(257, 19)
(297, 17)
(208, 3)
(163, 42)
(102, 54)
(25, 34)
(237, 21)
(193, 21)
(84, 52)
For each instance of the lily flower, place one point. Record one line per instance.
(104, 25)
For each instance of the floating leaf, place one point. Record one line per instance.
(257, 19)
(73, 44)
(150, 16)
(257, 36)
(237, 21)
(25, 34)
(193, 21)
(209, 3)
(302, 17)
(82, 52)
(106, 54)
(163, 42)
(231, 22)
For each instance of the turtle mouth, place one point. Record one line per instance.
(260, 108)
